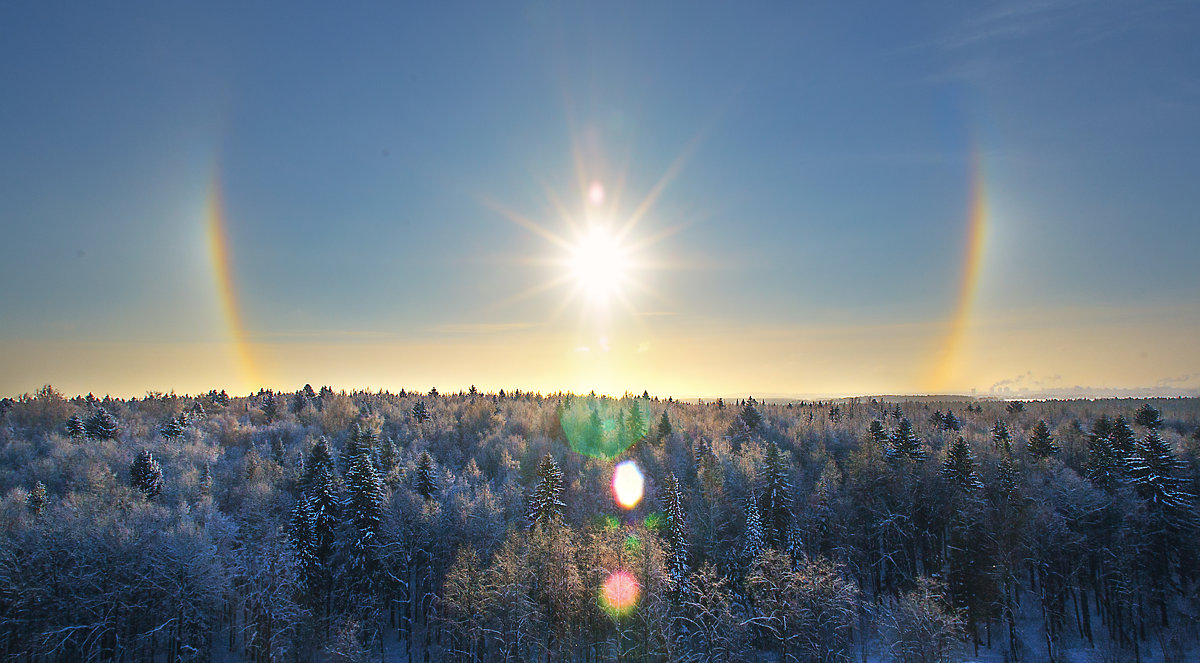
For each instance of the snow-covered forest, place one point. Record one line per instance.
(324, 526)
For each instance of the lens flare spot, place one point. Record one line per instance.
(596, 194)
(628, 485)
(619, 596)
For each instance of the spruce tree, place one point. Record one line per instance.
(1008, 475)
(878, 434)
(664, 427)
(951, 422)
(304, 543)
(206, 480)
(904, 444)
(1041, 441)
(544, 505)
(427, 476)
(146, 475)
(637, 421)
(36, 500)
(420, 413)
(1105, 467)
(676, 526)
(753, 540)
(1122, 436)
(959, 466)
(172, 429)
(75, 428)
(775, 510)
(1154, 471)
(1001, 438)
(751, 416)
(101, 425)
(364, 508)
(318, 456)
(270, 407)
(324, 509)
(1149, 416)
(389, 457)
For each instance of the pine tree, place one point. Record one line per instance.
(1149, 416)
(959, 466)
(1104, 465)
(420, 413)
(904, 444)
(637, 421)
(751, 416)
(753, 540)
(75, 428)
(102, 425)
(318, 457)
(389, 457)
(878, 435)
(677, 545)
(1014, 407)
(427, 476)
(364, 508)
(1154, 471)
(1007, 475)
(545, 505)
(304, 543)
(664, 427)
(1041, 442)
(951, 422)
(776, 497)
(172, 429)
(270, 407)
(1001, 438)
(206, 480)
(298, 401)
(360, 438)
(324, 510)
(146, 475)
(36, 500)
(1122, 436)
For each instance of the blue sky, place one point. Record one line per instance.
(809, 241)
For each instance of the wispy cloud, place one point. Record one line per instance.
(482, 327)
(993, 39)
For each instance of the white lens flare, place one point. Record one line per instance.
(628, 484)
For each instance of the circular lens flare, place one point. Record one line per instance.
(619, 596)
(628, 484)
(596, 193)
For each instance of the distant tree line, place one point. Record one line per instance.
(364, 526)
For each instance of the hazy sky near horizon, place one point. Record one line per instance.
(806, 198)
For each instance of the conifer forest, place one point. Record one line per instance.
(422, 527)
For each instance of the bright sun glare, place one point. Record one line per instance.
(599, 264)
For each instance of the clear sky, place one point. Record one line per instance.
(690, 198)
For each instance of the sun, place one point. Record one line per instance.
(599, 264)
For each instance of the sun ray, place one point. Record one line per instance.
(524, 222)
(530, 292)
